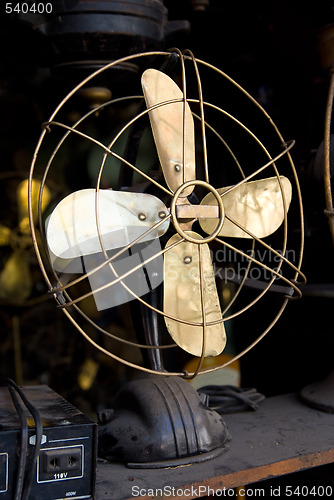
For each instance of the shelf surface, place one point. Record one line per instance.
(283, 436)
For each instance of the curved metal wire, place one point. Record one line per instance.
(108, 260)
(59, 290)
(108, 150)
(201, 104)
(279, 135)
(327, 166)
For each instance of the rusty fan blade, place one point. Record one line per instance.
(173, 129)
(189, 284)
(257, 206)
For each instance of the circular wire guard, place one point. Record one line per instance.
(60, 290)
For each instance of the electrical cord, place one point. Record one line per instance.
(23, 444)
(27, 472)
(230, 399)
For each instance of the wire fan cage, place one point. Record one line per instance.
(237, 145)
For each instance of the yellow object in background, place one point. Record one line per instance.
(15, 279)
(230, 375)
(87, 374)
(22, 203)
(4, 235)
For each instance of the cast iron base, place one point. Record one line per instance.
(159, 421)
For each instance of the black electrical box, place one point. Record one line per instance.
(66, 464)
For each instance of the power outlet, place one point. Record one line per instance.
(66, 465)
(3, 472)
(59, 464)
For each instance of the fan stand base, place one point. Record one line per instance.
(320, 395)
(160, 421)
(178, 462)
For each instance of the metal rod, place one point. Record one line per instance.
(201, 105)
(327, 166)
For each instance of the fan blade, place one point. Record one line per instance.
(183, 300)
(123, 216)
(167, 123)
(255, 205)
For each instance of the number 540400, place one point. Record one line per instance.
(25, 7)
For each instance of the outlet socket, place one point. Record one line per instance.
(59, 464)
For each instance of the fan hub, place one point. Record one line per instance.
(181, 209)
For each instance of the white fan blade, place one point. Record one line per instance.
(167, 123)
(182, 298)
(256, 205)
(72, 229)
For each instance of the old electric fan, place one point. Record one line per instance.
(197, 235)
